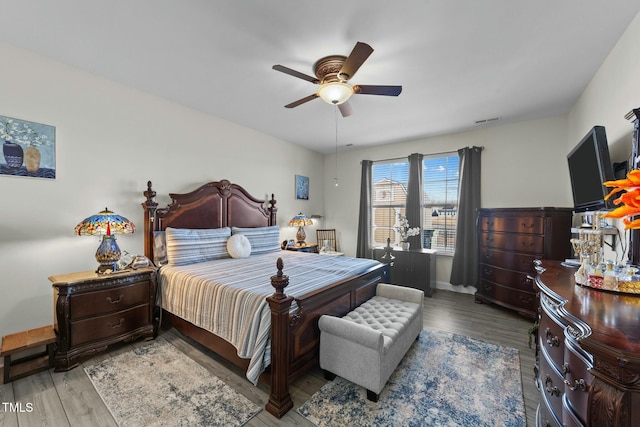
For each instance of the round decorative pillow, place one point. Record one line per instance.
(238, 246)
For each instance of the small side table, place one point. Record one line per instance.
(313, 248)
(22, 341)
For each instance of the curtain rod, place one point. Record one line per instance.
(430, 154)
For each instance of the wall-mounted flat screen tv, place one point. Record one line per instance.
(589, 167)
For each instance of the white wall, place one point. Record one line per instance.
(110, 140)
(523, 165)
(611, 94)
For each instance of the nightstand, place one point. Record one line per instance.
(304, 248)
(93, 311)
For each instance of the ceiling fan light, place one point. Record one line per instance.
(335, 93)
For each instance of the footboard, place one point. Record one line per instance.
(295, 337)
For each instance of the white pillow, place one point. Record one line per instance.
(263, 239)
(238, 246)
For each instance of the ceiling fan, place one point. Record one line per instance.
(333, 73)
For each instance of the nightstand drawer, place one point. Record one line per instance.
(109, 300)
(97, 328)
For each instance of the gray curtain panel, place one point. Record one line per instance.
(464, 266)
(364, 220)
(414, 199)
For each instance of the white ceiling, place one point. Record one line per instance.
(458, 60)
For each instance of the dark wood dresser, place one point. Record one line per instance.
(413, 268)
(588, 353)
(93, 311)
(509, 240)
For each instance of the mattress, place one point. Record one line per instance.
(228, 296)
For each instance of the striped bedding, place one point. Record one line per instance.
(227, 296)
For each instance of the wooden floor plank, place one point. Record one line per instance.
(39, 391)
(8, 418)
(80, 400)
(70, 399)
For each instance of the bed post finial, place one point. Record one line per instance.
(272, 210)
(279, 398)
(150, 205)
(279, 281)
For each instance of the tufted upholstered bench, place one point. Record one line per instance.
(367, 344)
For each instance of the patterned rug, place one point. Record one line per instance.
(444, 380)
(158, 385)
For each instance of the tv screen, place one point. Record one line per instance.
(589, 167)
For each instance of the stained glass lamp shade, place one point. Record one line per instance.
(106, 224)
(300, 221)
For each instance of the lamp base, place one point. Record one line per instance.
(107, 268)
(300, 236)
(107, 255)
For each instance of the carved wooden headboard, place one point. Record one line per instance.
(212, 205)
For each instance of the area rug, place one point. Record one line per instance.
(444, 380)
(158, 385)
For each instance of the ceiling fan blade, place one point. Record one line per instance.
(345, 109)
(302, 101)
(377, 90)
(295, 73)
(356, 58)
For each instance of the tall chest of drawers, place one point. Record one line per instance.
(509, 240)
(93, 311)
(587, 353)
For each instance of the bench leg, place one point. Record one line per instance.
(372, 396)
(330, 376)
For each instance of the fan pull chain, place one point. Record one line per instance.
(336, 122)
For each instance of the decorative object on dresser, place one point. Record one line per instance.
(509, 240)
(93, 311)
(327, 238)
(300, 221)
(106, 224)
(307, 247)
(415, 268)
(402, 227)
(588, 352)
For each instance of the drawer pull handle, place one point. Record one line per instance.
(577, 385)
(550, 388)
(117, 325)
(115, 301)
(565, 369)
(525, 225)
(552, 340)
(487, 287)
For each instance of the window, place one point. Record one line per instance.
(440, 196)
(440, 200)
(389, 198)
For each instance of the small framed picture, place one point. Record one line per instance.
(302, 187)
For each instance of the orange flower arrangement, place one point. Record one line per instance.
(630, 199)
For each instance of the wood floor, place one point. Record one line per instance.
(69, 399)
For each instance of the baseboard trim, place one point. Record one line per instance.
(445, 286)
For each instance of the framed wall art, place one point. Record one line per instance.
(302, 187)
(28, 148)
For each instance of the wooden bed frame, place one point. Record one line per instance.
(295, 335)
